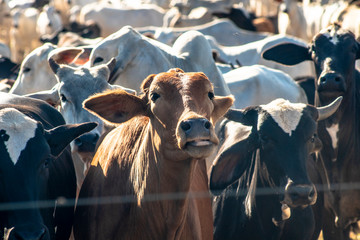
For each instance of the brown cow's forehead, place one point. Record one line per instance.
(171, 81)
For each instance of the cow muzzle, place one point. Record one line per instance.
(331, 84)
(299, 195)
(28, 232)
(196, 136)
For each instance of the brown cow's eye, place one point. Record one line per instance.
(154, 96)
(211, 95)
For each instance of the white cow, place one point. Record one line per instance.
(35, 73)
(257, 84)
(111, 19)
(250, 54)
(23, 35)
(223, 30)
(49, 21)
(138, 56)
(305, 20)
(74, 85)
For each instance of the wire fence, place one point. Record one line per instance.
(126, 199)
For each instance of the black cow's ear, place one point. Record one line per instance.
(230, 164)
(287, 53)
(247, 116)
(59, 137)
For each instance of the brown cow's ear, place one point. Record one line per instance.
(115, 106)
(221, 106)
(231, 163)
(146, 83)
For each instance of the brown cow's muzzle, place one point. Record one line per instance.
(197, 137)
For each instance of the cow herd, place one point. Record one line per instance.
(197, 119)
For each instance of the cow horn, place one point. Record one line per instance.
(328, 110)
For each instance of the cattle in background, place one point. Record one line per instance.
(247, 20)
(306, 20)
(88, 32)
(23, 35)
(35, 167)
(257, 84)
(111, 19)
(138, 56)
(224, 31)
(159, 149)
(260, 178)
(333, 52)
(35, 73)
(48, 21)
(74, 85)
(250, 54)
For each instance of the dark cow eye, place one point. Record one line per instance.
(211, 95)
(98, 60)
(154, 96)
(63, 98)
(26, 69)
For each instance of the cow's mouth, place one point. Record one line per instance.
(199, 148)
(199, 143)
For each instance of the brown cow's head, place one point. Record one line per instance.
(181, 107)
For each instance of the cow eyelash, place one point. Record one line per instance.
(26, 69)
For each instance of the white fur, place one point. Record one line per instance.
(333, 130)
(20, 129)
(287, 115)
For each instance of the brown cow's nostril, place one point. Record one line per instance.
(186, 126)
(207, 124)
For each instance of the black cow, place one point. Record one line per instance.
(334, 51)
(261, 172)
(35, 167)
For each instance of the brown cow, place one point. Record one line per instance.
(159, 150)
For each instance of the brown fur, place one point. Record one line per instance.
(140, 159)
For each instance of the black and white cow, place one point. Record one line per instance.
(36, 165)
(334, 51)
(260, 178)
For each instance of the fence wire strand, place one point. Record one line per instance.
(126, 199)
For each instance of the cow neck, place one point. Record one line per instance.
(347, 118)
(166, 180)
